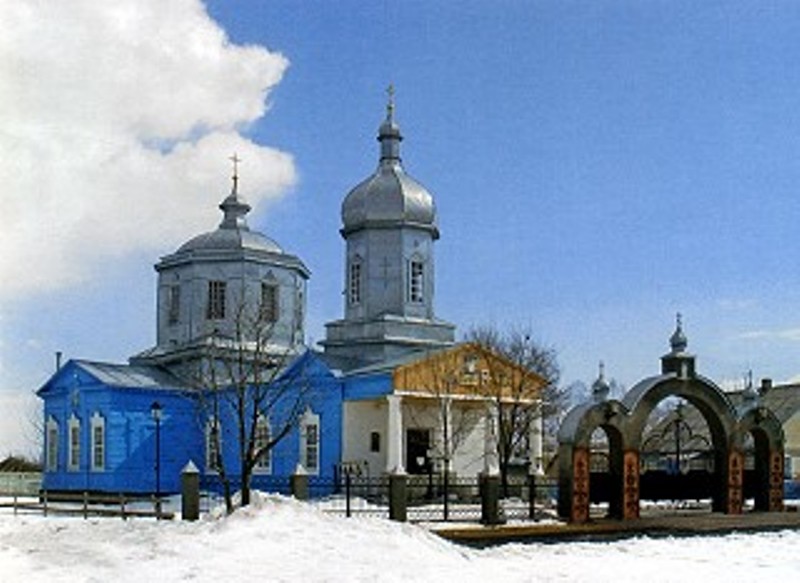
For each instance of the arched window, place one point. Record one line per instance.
(74, 444)
(52, 444)
(354, 281)
(98, 430)
(263, 435)
(309, 442)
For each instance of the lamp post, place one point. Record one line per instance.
(155, 411)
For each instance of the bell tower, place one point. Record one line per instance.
(389, 227)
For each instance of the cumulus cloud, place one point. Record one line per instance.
(116, 123)
(786, 334)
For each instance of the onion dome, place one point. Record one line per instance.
(678, 341)
(389, 197)
(233, 232)
(600, 387)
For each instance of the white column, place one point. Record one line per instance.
(536, 443)
(491, 466)
(394, 435)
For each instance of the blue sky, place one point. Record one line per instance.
(598, 166)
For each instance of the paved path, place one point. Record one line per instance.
(680, 524)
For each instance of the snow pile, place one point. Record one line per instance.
(278, 539)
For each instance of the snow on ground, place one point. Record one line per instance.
(278, 539)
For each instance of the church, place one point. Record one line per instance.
(390, 390)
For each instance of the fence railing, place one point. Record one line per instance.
(87, 504)
(437, 498)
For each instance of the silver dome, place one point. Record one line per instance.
(233, 232)
(226, 238)
(389, 197)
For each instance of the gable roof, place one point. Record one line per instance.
(467, 370)
(118, 375)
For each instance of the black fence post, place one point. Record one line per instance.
(490, 499)
(446, 498)
(532, 496)
(190, 492)
(299, 483)
(85, 504)
(398, 497)
(347, 491)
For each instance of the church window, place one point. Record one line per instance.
(74, 449)
(98, 430)
(309, 442)
(52, 445)
(416, 282)
(215, 308)
(174, 307)
(213, 458)
(375, 442)
(269, 302)
(262, 437)
(355, 283)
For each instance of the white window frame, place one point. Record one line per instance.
(73, 444)
(212, 446)
(97, 426)
(262, 436)
(310, 448)
(51, 437)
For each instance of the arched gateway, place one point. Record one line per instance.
(623, 422)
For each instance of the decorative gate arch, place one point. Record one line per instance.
(624, 422)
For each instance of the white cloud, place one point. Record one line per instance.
(116, 122)
(786, 334)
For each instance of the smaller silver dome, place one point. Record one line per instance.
(678, 342)
(390, 196)
(233, 232)
(600, 388)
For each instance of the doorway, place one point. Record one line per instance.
(418, 443)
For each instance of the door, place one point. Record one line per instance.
(418, 443)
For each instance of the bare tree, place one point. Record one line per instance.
(521, 393)
(456, 404)
(250, 389)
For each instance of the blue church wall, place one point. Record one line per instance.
(357, 388)
(307, 386)
(129, 444)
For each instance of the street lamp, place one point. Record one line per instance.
(155, 412)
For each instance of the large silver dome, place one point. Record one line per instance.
(389, 197)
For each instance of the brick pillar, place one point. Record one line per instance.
(190, 492)
(630, 485)
(580, 485)
(735, 480)
(775, 481)
(397, 496)
(299, 483)
(490, 499)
